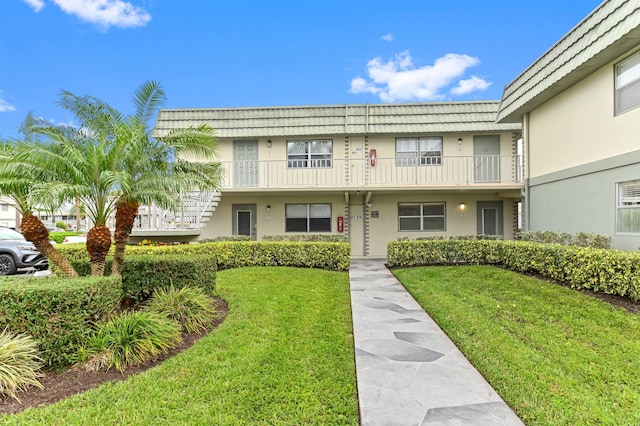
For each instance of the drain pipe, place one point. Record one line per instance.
(527, 189)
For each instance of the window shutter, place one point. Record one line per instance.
(628, 84)
(629, 194)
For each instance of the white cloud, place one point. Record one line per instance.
(399, 80)
(4, 105)
(387, 37)
(106, 13)
(470, 85)
(36, 5)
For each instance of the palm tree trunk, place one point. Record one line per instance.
(34, 230)
(56, 258)
(98, 245)
(126, 212)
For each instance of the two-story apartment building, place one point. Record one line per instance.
(373, 172)
(579, 105)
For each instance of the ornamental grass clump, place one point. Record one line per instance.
(131, 338)
(190, 307)
(19, 363)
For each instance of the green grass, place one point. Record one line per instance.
(557, 357)
(283, 356)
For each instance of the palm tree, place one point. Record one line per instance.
(151, 170)
(80, 165)
(19, 180)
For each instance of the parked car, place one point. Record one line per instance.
(18, 253)
(71, 239)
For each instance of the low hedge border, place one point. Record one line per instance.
(333, 256)
(57, 312)
(143, 273)
(604, 270)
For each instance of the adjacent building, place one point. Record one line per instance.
(374, 173)
(579, 106)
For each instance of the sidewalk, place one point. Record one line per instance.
(408, 371)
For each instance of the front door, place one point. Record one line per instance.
(490, 218)
(244, 220)
(486, 155)
(245, 156)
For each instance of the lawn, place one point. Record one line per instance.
(557, 356)
(283, 356)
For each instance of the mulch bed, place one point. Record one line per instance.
(59, 385)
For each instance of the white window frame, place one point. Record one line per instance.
(423, 151)
(422, 216)
(315, 154)
(628, 207)
(627, 84)
(310, 212)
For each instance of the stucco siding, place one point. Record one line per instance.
(583, 199)
(370, 226)
(578, 126)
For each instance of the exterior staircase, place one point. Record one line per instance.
(192, 215)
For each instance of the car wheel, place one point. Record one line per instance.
(7, 265)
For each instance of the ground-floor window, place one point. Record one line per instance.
(628, 207)
(308, 217)
(421, 217)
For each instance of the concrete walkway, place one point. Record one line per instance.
(408, 371)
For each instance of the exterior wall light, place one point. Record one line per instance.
(459, 141)
(268, 208)
(462, 206)
(269, 143)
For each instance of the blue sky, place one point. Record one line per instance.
(241, 53)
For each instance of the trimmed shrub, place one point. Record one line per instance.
(582, 239)
(605, 270)
(19, 363)
(58, 237)
(57, 312)
(190, 307)
(333, 256)
(142, 274)
(131, 338)
(308, 238)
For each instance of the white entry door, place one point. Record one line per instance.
(245, 156)
(486, 155)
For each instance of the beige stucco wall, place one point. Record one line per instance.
(267, 222)
(579, 126)
(382, 229)
(354, 146)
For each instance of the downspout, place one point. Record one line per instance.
(527, 194)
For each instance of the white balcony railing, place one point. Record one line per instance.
(345, 173)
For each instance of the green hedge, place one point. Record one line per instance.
(142, 274)
(57, 312)
(582, 239)
(334, 256)
(58, 237)
(609, 271)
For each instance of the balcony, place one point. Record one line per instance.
(475, 171)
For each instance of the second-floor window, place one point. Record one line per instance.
(628, 84)
(314, 153)
(419, 151)
(308, 217)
